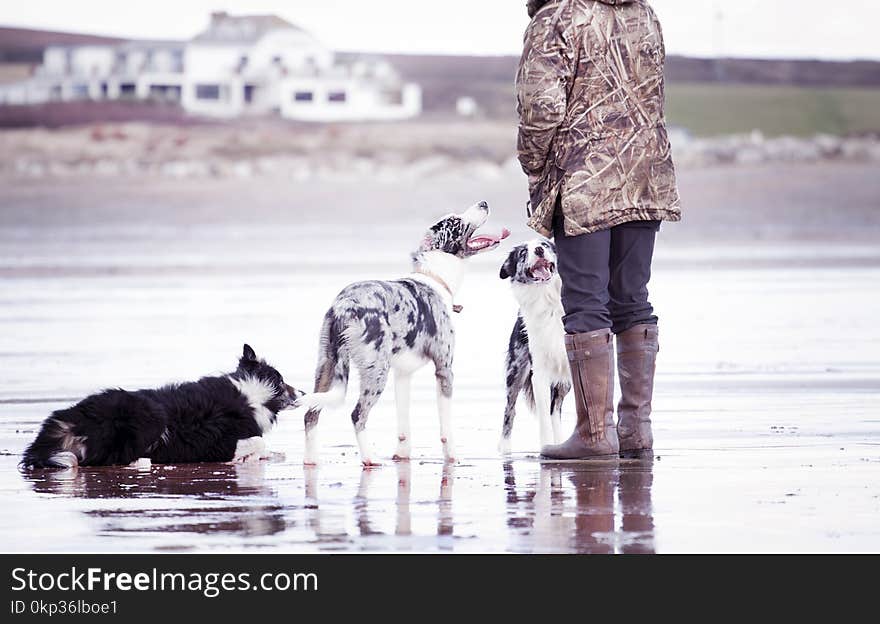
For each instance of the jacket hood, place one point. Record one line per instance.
(534, 5)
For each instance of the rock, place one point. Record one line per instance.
(242, 169)
(750, 156)
(430, 166)
(829, 146)
(483, 169)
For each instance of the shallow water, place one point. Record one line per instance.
(766, 420)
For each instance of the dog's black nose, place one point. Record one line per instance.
(483, 205)
(539, 251)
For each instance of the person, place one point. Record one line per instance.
(592, 140)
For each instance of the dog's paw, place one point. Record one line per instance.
(142, 464)
(448, 450)
(404, 451)
(249, 449)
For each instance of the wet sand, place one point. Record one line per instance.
(766, 419)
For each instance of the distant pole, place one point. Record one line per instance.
(718, 37)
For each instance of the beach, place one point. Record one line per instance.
(765, 413)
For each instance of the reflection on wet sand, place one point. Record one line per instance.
(588, 507)
(404, 496)
(191, 480)
(570, 507)
(370, 507)
(237, 493)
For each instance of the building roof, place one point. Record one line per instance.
(25, 45)
(225, 28)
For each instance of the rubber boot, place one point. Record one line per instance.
(637, 350)
(591, 359)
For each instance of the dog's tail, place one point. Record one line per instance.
(56, 446)
(331, 380)
(331, 376)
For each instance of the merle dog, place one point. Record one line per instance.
(537, 364)
(400, 325)
(214, 419)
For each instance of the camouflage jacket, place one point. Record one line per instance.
(592, 129)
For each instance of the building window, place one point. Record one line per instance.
(177, 61)
(336, 96)
(165, 93)
(392, 97)
(207, 92)
(127, 90)
(303, 96)
(249, 93)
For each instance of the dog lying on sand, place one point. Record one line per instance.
(214, 419)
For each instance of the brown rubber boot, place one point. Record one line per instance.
(591, 359)
(637, 350)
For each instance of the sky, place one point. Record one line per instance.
(736, 28)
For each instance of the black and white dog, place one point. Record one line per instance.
(214, 419)
(537, 364)
(400, 326)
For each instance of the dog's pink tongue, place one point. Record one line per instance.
(541, 272)
(485, 240)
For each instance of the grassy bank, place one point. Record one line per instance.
(714, 109)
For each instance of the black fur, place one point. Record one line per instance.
(519, 374)
(199, 421)
(533, 6)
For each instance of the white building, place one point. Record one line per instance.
(240, 65)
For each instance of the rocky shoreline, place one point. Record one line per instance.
(755, 148)
(390, 153)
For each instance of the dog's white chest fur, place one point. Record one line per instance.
(541, 310)
(257, 393)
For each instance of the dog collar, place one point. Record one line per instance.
(455, 307)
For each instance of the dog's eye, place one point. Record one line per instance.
(452, 247)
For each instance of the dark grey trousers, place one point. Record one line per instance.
(605, 276)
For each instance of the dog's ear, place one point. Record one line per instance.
(508, 269)
(248, 354)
